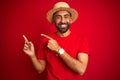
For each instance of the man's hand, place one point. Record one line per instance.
(52, 43)
(28, 47)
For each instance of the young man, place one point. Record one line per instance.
(63, 54)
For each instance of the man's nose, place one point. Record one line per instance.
(63, 20)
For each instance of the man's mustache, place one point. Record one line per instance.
(62, 23)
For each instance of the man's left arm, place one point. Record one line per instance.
(79, 64)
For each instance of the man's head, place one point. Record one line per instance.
(62, 16)
(62, 20)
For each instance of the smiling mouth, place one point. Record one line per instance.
(63, 25)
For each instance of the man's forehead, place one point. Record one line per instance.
(62, 12)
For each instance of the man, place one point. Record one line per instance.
(63, 54)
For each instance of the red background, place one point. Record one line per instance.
(98, 19)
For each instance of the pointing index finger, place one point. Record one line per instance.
(46, 36)
(25, 38)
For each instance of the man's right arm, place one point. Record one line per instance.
(30, 51)
(38, 64)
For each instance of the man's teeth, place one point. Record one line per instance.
(63, 25)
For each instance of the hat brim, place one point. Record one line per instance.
(73, 12)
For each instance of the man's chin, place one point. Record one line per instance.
(63, 31)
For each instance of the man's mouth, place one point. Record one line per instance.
(63, 25)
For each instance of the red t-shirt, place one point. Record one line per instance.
(56, 68)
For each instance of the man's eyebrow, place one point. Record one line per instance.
(57, 15)
(67, 15)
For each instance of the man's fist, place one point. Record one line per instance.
(52, 43)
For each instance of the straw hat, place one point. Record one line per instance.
(62, 6)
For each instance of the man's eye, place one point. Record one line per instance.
(57, 17)
(67, 16)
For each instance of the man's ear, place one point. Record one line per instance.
(52, 21)
(71, 20)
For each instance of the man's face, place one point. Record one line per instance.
(62, 21)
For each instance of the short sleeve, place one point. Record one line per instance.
(84, 45)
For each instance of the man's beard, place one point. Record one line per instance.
(62, 27)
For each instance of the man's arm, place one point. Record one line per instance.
(29, 50)
(78, 65)
(39, 65)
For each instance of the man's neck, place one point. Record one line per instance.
(64, 34)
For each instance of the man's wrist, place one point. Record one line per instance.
(33, 56)
(61, 51)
